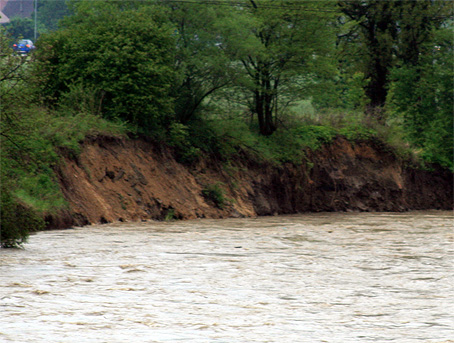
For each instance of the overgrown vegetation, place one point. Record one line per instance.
(273, 78)
(17, 220)
(32, 137)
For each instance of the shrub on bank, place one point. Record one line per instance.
(216, 194)
(16, 220)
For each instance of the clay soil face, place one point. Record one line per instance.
(131, 180)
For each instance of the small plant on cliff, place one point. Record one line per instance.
(170, 215)
(216, 194)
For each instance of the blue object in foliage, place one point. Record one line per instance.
(24, 46)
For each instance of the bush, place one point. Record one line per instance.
(216, 194)
(357, 132)
(122, 52)
(314, 136)
(16, 220)
(179, 138)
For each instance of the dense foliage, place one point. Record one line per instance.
(421, 97)
(394, 33)
(270, 77)
(16, 220)
(31, 136)
(120, 51)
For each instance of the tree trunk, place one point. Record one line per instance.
(258, 99)
(264, 103)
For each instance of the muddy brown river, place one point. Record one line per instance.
(327, 277)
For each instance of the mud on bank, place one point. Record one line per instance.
(130, 180)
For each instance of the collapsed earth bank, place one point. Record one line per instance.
(130, 180)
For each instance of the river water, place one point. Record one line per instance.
(327, 277)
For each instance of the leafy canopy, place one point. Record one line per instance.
(279, 47)
(202, 68)
(121, 50)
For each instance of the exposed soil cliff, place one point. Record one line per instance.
(123, 180)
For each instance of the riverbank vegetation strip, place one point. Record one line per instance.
(274, 78)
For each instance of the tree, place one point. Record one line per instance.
(19, 28)
(121, 51)
(202, 68)
(50, 13)
(421, 94)
(279, 46)
(390, 33)
(417, 24)
(377, 25)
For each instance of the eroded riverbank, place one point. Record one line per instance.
(131, 180)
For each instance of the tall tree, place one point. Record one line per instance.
(202, 68)
(278, 45)
(378, 27)
(122, 51)
(417, 24)
(421, 96)
(50, 13)
(391, 33)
